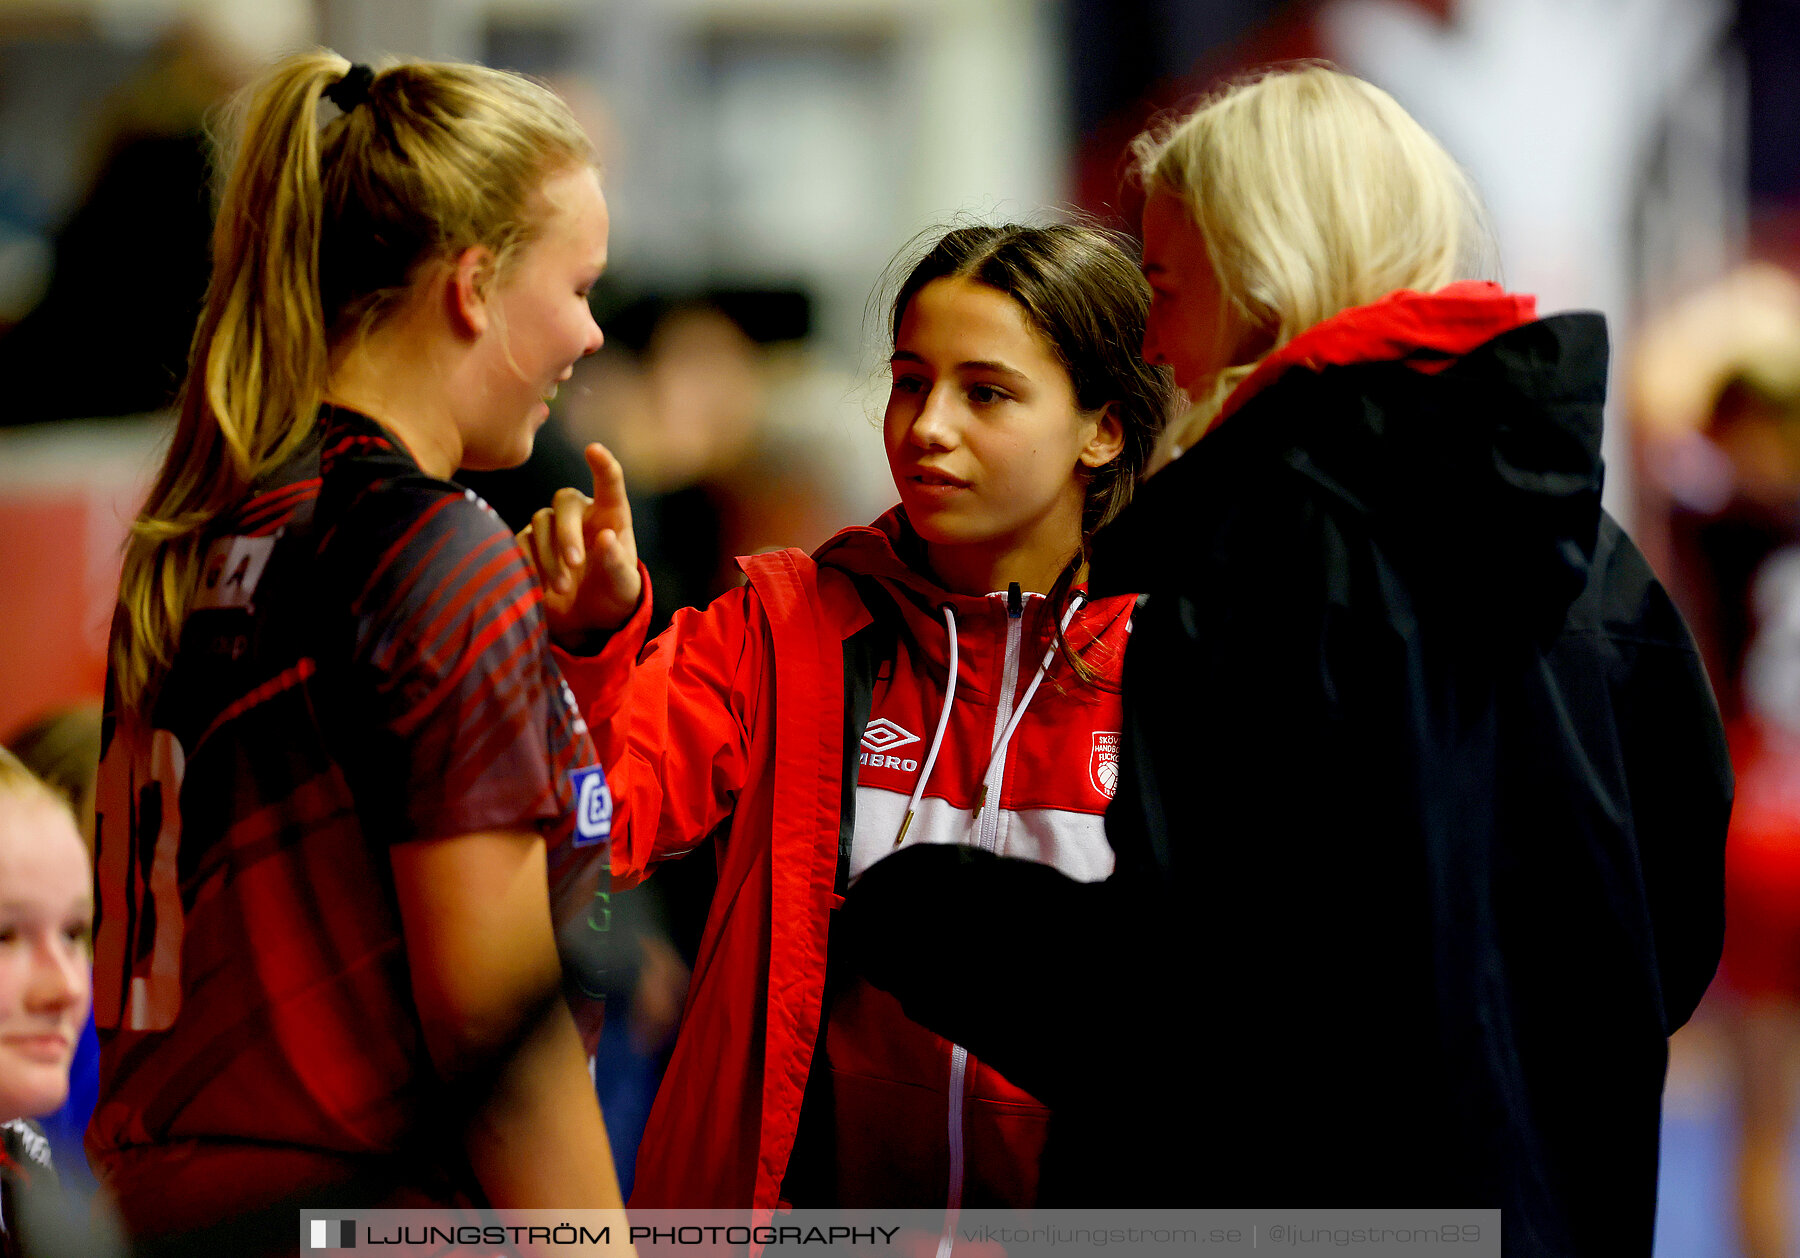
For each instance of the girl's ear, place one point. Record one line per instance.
(1107, 439)
(466, 292)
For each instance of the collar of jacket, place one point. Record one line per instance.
(890, 552)
(1426, 331)
(1481, 478)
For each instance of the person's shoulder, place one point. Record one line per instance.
(1104, 609)
(1623, 597)
(791, 586)
(368, 475)
(1098, 628)
(1102, 618)
(427, 510)
(408, 540)
(374, 493)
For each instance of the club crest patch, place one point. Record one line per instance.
(593, 805)
(1103, 764)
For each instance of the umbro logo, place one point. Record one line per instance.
(881, 737)
(885, 735)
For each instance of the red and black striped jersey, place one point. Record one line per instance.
(364, 663)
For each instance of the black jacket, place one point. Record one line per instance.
(1419, 830)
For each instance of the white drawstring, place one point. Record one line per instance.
(937, 738)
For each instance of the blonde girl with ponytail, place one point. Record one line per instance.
(336, 808)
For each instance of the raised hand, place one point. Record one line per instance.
(585, 554)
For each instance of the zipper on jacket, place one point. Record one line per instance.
(987, 836)
(987, 830)
(959, 1069)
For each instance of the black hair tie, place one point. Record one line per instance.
(351, 90)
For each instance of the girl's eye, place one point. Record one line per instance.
(909, 384)
(986, 394)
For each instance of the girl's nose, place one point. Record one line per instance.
(60, 977)
(934, 426)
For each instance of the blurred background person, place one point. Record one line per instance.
(139, 237)
(1759, 978)
(46, 929)
(1717, 385)
(63, 749)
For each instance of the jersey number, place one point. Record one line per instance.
(137, 948)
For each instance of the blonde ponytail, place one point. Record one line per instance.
(256, 367)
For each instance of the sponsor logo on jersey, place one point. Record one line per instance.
(1103, 764)
(593, 805)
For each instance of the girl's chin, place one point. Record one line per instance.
(946, 528)
(496, 458)
(927, 518)
(27, 1101)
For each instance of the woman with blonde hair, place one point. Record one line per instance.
(337, 798)
(1422, 789)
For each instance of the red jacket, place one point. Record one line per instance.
(733, 721)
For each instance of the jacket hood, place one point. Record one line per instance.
(1467, 440)
(892, 553)
(1426, 331)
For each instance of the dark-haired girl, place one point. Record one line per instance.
(938, 677)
